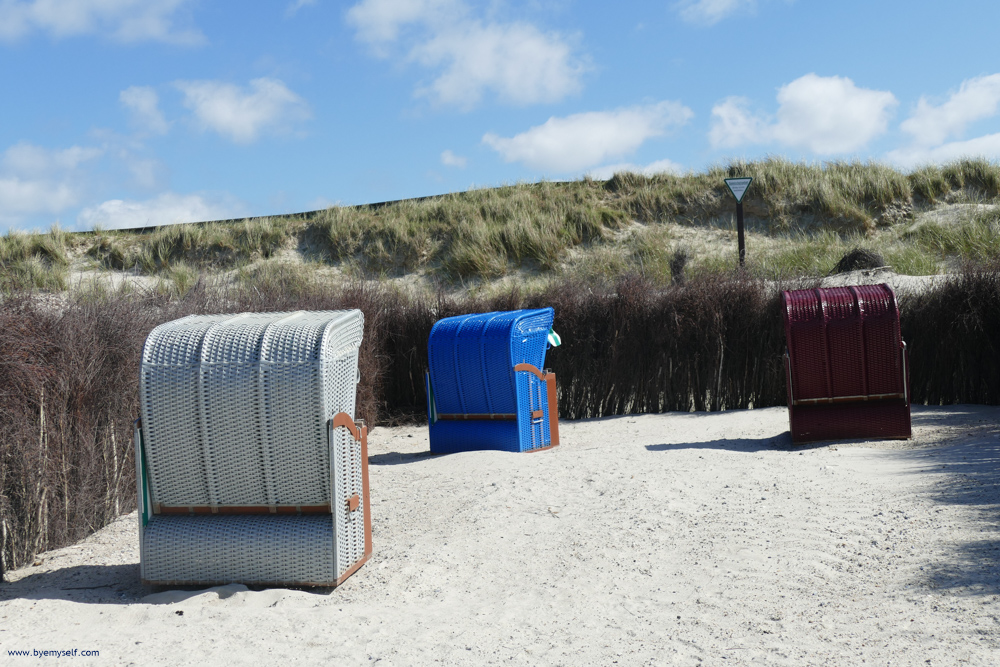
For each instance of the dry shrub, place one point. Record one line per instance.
(953, 335)
(70, 392)
(628, 347)
(710, 344)
(69, 370)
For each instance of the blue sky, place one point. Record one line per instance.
(126, 113)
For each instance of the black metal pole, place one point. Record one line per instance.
(739, 231)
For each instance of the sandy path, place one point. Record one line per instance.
(658, 539)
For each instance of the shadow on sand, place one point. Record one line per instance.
(93, 584)
(117, 584)
(398, 458)
(967, 474)
(776, 442)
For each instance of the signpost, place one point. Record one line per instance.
(738, 187)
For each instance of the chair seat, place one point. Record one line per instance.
(249, 549)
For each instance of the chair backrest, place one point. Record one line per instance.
(234, 407)
(471, 358)
(843, 343)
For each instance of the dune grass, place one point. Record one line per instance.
(800, 219)
(213, 244)
(37, 261)
(480, 233)
(975, 237)
(813, 212)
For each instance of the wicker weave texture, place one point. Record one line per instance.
(471, 360)
(531, 397)
(234, 408)
(843, 341)
(846, 364)
(248, 549)
(349, 525)
(847, 421)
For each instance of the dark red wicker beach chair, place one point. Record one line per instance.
(846, 364)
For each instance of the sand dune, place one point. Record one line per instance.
(676, 539)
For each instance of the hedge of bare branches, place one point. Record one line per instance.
(69, 368)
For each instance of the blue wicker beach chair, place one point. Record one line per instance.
(485, 386)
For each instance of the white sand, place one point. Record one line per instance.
(675, 539)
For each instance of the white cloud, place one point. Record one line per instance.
(517, 61)
(710, 12)
(976, 99)
(121, 20)
(931, 126)
(586, 139)
(987, 146)
(733, 124)
(449, 159)
(825, 115)
(381, 20)
(241, 114)
(831, 114)
(165, 209)
(36, 180)
(143, 103)
(27, 159)
(20, 196)
(659, 167)
(295, 6)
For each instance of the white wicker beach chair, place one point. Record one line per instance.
(250, 466)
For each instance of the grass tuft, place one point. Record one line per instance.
(30, 260)
(974, 238)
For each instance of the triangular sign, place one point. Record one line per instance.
(739, 187)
